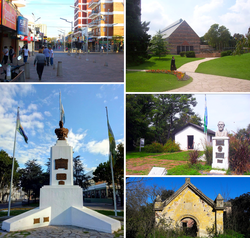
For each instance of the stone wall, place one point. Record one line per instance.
(184, 35)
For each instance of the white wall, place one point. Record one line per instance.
(199, 138)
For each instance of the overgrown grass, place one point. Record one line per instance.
(229, 66)
(187, 169)
(152, 82)
(181, 156)
(164, 62)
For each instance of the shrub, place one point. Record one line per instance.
(171, 146)
(190, 54)
(226, 53)
(182, 54)
(155, 147)
(239, 154)
(193, 156)
(208, 150)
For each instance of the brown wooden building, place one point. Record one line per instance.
(181, 37)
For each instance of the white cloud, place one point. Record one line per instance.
(116, 98)
(76, 140)
(100, 147)
(99, 95)
(47, 113)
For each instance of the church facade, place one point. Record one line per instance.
(188, 208)
(181, 37)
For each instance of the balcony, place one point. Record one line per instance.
(93, 14)
(93, 3)
(19, 3)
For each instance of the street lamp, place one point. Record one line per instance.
(63, 31)
(35, 20)
(87, 29)
(71, 29)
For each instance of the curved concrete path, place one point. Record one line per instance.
(210, 83)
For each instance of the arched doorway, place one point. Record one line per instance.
(189, 226)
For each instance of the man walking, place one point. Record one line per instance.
(46, 53)
(51, 55)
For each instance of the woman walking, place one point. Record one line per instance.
(173, 67)
(26, 53)
(40, 61)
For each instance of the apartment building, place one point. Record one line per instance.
(105, 23)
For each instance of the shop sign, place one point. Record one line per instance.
(0, 12)
(9, 16)
(22, 26)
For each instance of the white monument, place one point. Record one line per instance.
(61, 203)
(221, 148)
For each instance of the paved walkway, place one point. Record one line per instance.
(60, 232)
(75, 68)
(208, 82)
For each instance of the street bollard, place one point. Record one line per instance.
(94, 61)
(27, 70)
(59, 68)
(69, 52)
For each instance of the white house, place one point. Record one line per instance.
(192, 136)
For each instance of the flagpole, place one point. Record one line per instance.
(112, 173)
(13, 161)
(60, 106)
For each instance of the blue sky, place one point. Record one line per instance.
(85, 113)
(50, 13)
(227, 186)
(233, 109)
(199, 14)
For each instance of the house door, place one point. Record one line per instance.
(190, 142)
(178, 50)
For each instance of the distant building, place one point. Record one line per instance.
(181, 37)
(192, 136)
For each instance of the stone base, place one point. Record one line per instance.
(61, 205)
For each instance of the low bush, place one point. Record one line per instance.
(239, 154)
(226, 53)
(190, 54)
(182, 54)
(171, 146)
(208, 151)
(193, 156)
(155, 147)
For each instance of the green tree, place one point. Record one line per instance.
(78, 173)
(243, 44)
(187, 118)
(138, 117)
(158, 45)
(32, 178)
(217, 37)
(5, 173)
(136, 32)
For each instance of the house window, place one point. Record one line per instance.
(191, 48)
(187, 48)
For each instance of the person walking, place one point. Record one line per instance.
(173, 67)
(40, 61)
(11, 54)
(5, 55)
(51, 55)
(46, 53)
(26, 53)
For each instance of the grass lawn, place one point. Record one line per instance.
(230, 66)
(163, 62)
(152, 82)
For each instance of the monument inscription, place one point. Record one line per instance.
(220, 155)
(61, 163)
(61, 176)
(219, 142)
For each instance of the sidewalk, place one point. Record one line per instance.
(75, 68)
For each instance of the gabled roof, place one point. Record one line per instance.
(210, 132)
(189, 185)
(166, 32)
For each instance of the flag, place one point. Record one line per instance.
(62, 115)
(112, 144)
(20, 128)
(205, 116)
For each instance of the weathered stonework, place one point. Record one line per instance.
(190, 206)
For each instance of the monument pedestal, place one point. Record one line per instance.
(220, 153)
(61, 203)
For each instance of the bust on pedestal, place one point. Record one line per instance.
(221, 148)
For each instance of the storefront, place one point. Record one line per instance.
(8, 26)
